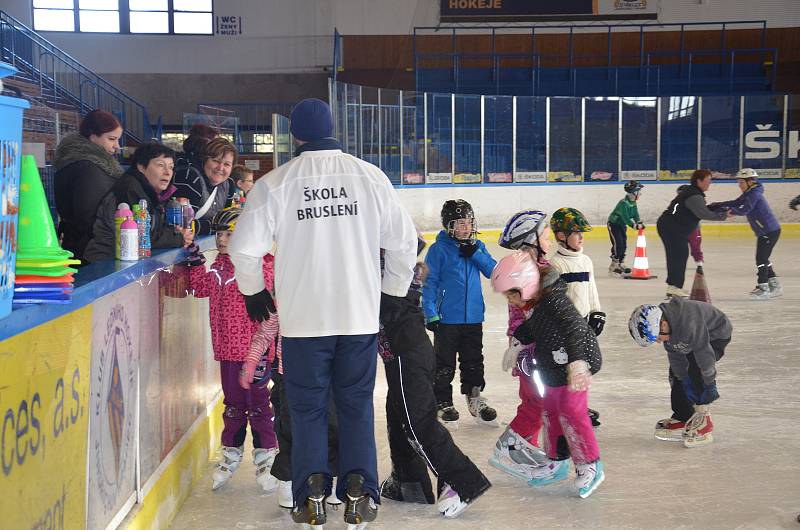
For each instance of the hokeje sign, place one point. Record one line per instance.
(538, 10)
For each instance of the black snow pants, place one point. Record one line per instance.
(417, 440)
(682, 407)
(466, 341)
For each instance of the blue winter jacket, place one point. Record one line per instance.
(452, 291)
(753, 204)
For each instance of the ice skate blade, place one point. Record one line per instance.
(497, 464)
(491, 423)
(669, 438)
(306, 526)
(597, 482)
(450, 425)
(360, 526)
(695, 442)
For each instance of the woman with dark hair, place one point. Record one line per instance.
(207, 185)
(85, 170)
(149, 178)
(680, 218)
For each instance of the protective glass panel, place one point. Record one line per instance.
(149, 22)
(468, 140)
(639, 138)
(413, 142)
(601, 139)
(440, 131)
(720, 135)
(565, 140)
(793, 141)
(390, 134)
(99, 21)
(531, 140)
(200, 23)
(763, 134)
(53, 20)
(351, 137)
(498, 138)
(370, 143)
(678, 137)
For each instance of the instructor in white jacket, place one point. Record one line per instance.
(325, 215)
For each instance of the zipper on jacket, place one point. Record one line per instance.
(466, 287)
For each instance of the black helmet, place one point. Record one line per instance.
(452, 211)
(633, 186)
(225, 219)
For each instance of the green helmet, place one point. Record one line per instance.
(569, 220)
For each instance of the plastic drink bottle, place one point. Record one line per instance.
(188, 214)
(123, 211)
(174, 213)
(144, 222)
(128, 240)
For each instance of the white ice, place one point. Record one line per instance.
(749, 478)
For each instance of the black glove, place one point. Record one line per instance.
(597, 322)
(433, 325)
(467, 249)
(794, 203)
(640, 226)
(194, 258)
(259, 306)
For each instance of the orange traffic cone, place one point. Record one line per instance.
(641, 268)
(699, 287)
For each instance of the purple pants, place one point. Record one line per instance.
(566, 422)
(695, 239)
(242, 406)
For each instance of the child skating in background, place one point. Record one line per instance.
(517, 450)
(754, 205)
(625, 214)
(232, 333)
(695, 335)
(417, 440)
(452, 301)
(567, 354)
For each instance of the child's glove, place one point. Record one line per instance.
(579, 377)
(597, 322)
(794, 203)
(512, 354)
(247, 374)
(708, 395)
(259, 306)
(467, 249)
(433, 324)
(194, 258)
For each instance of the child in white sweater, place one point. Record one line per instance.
(577, 270)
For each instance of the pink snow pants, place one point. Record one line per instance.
(528, 421)
(565, 416)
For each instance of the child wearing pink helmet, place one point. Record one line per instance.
(567, 354)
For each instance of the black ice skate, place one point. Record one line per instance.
(360, 509)
(398, 491)
(448, 415)
(311, 514)
(480, 410)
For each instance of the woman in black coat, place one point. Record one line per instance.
(85, 170)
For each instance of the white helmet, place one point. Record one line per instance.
(644, 324)
(747, 173)
(523, 229)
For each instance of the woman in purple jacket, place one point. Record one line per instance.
(753, 204)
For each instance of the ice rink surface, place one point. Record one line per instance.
(749, 478)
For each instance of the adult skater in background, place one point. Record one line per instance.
(329, 214)
(680, 218)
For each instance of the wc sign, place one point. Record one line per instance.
(765, 143)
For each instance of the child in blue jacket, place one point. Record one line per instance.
(452, 301)
(753, 204)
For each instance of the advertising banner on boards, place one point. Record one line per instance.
(45, 406)
(539, 10)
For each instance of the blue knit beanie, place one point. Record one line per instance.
(311, 120)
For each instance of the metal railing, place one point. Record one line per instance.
(65, 82)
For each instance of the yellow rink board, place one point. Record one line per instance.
(44, 400)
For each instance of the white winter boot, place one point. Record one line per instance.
(285, 497)
(231, 458)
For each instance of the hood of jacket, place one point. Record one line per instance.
(74, 148)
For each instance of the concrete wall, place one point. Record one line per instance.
(495, 204)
